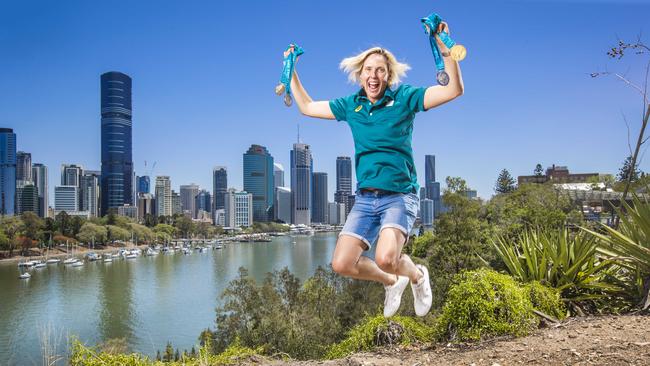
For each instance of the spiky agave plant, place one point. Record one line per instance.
(629, 247)
(560, 259)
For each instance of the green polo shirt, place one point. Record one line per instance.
(382, 135)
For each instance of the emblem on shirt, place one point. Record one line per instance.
(358, 108)
(390, 104)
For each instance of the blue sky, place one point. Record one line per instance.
(204, 73)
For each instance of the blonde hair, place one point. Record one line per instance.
(353, 65)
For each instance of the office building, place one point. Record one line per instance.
(90, 192)
(116, 140)
(219, 186)
(259, 180)
(203, 204)
(239, 209)
(144, 184)
(66, 198)
(23, 166)
(39, 176)
(188, 193)
(176, 203)
(426, 212)
(319, 210)
(301, 184)
(282, 206)
(278, 175)
(7, 171)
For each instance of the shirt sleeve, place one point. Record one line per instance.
(339, 108)
(414, 97)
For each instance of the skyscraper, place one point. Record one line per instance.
(89, 188)
(282, 206)
(278, 175)
(163, 196)
(39, 175)
(7, 171)
(203, 203)
(219, 186)
(144, 184)
(426, 209)
(301, 184)
(344, 183)
(344, 174)
(188, 194)
(319, 199)
(23, 166)
(429, 174)
(258, 181)
(117, 162)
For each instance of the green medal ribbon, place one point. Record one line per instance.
(293, 51)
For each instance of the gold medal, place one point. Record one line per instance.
(458, 52)
(279, 89)
(358, 108)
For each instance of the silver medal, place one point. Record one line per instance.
(443, 78)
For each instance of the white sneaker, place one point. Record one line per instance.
(394, 296)
(422, 296)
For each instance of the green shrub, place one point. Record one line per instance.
(484, 303)
(87, 356)
(546, 299)
(379, 331)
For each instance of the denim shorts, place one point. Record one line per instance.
(374, 211)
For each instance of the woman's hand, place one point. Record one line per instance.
(442, 27)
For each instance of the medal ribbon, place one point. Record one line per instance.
(288, 65)
(430, 25)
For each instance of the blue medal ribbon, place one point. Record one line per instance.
(293, 51)
(430, 25)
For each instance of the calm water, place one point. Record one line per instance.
(149, 301)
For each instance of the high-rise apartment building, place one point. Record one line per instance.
(146, 206)
(39, 176)
(259, 180)
(163, 196)
(301, 184)
(239, 209)
(319, 210)
(188, 193)
(117, 162)
(7, 171)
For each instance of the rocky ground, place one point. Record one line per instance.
(609, 340)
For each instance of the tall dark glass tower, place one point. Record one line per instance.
(7, 171)
(117, 162)
(429, 175)
(219, 187)
(301, 184)
(258, 180)
(319, 198)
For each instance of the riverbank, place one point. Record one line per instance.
(60, 253)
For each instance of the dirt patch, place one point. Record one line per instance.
(608, 340)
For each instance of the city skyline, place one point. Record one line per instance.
(513, 114)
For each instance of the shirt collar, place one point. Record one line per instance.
(388, 94)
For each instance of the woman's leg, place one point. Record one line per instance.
(348, 261)
(389, 255)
